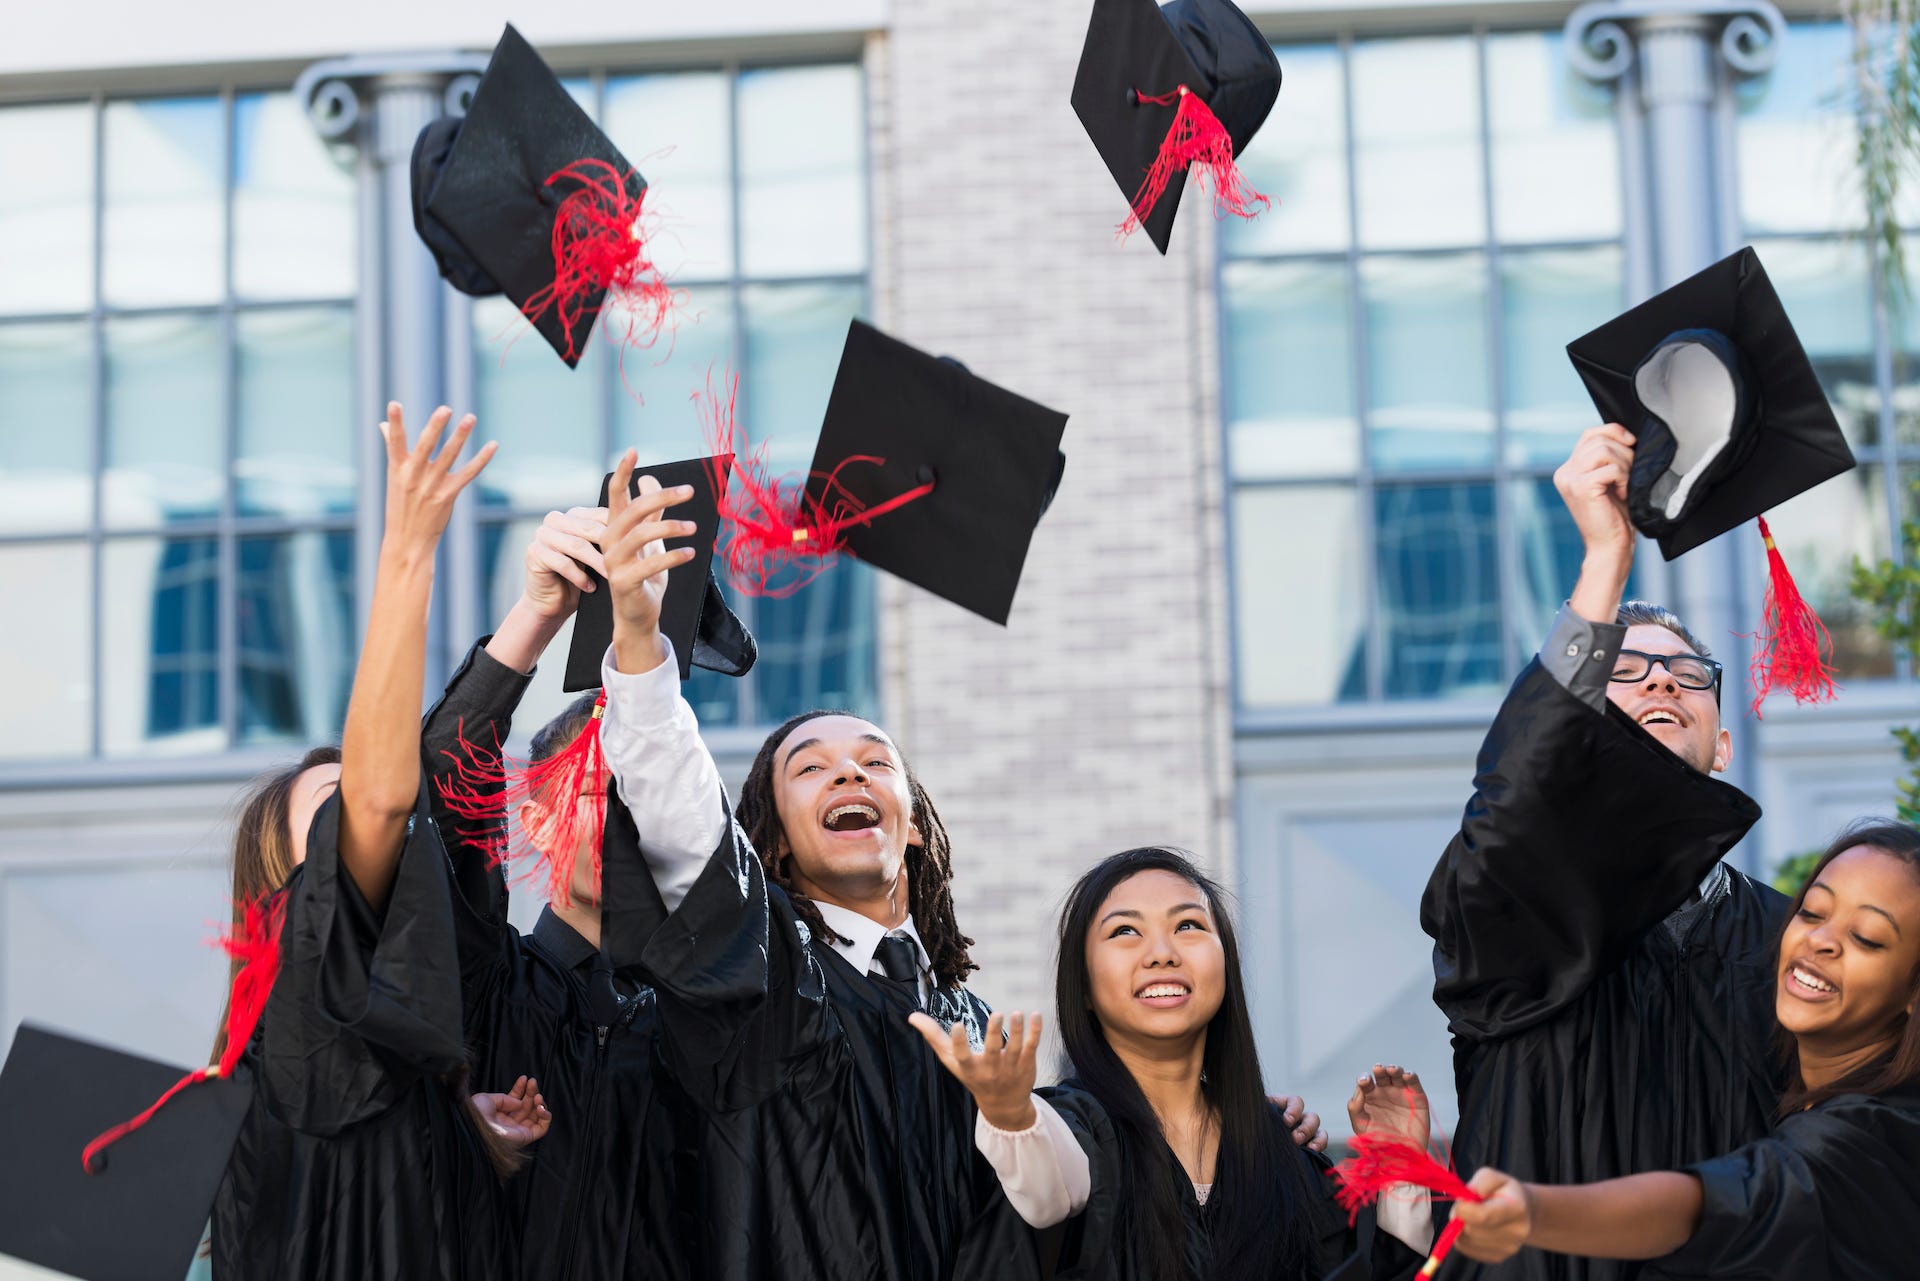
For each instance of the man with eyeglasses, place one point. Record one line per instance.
(1606, 977)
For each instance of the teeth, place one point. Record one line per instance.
(841, 811)
(1659, 718)
(1164, 989)
(1817, 984)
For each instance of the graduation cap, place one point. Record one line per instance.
(526, 196)
(1729, 420)
(487, 784)
(1163, 89)
(922, 469)
(140, 1211)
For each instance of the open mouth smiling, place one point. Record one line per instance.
(855, 816)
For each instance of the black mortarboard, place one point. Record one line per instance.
(483, 202)
(142, 1214)
(694, 616)
(1137, 49)
(993, 459)
(1728, 414)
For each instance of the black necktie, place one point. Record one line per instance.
(899, 961)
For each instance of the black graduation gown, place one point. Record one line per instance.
(1104, 1241)
(356, 1161)
(594, 1201)
(1833, 1194)
(1603, 1024)
(835, 1146)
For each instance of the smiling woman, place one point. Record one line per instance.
(1834, 1190)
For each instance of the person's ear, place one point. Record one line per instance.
(536, 818)
(913, 834)
(1722, 751)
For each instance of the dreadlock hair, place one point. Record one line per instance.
(929, 865)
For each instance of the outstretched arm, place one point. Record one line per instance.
(380, 747)
(1642, 1216)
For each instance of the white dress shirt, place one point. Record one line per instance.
(860, 937)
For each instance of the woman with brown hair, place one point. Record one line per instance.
(1834, 1190)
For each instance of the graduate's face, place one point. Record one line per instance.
(1848, 959)
(311, 788)
(1155, 965)
(539, 821)
(840, 788)
(1686, 720)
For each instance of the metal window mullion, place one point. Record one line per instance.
(96, 559)
(1889, 448)
(1506, 550)
(227, 558)
(1376, 661)
(748, 712)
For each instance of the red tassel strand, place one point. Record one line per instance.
(1196, 140)
(774, 538)
(1787, 652)
(598, 246)
(256, 946)
(487, 786)
(1379, 1163)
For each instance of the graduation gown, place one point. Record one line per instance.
(594, 1201)
(1104, 1242)
(1606, 1019)
(835, 1146)
(1833, 1194)
(356, 1160)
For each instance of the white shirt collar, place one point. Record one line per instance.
(860, 938)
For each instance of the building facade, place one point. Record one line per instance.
(1307, 531)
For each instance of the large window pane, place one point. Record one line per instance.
(1547, 298)
(654, 410)
(1289, 369)
(1550, 550)
(48, 709)
(166, 226)
(295, 633)
(1416, 122)
(1427, 394)
(1823, 284)
(675, 129)
(794, 335)
(1299, 160)
(545, 416)
(1297, 560)
(46, 208)
(160, 646)
(297, 424)
(816, 646)
(46, 427)
(165, 415)
(293, 206)
(1556, 159)
(1439, 575)
(1796, 138)
(803, 199)
(1820, 533)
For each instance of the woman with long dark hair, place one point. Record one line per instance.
(1834, 1191)
(1161, 1158)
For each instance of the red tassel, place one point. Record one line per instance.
(256, 946)
(487, 786)
(1196, 138)
(774, 538)
(1787, 652)
(598, 247)
(1381, 1161)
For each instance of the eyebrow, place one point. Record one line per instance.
(1172, 911)
(804, 744)
(1866, 907)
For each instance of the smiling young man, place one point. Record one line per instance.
(1607, 979)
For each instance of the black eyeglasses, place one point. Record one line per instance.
(1689, 671)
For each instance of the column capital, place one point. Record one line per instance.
(337, 94)
(1601, 35)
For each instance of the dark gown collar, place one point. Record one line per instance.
(562, 942)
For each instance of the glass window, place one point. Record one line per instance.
(213, 413)
(762, 221)
(1396, 403)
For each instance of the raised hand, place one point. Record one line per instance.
(1494, 1229)
(1593, 484)
(519, 1116)
(1305, 1125)
(1391, 1100)
(637, 562)
(563, 551)
(422, 485)
(1000, 1076)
